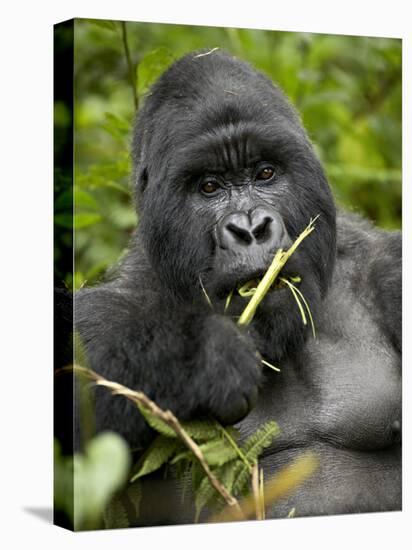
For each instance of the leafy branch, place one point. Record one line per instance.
(149, 408)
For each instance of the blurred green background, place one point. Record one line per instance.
(347, 89)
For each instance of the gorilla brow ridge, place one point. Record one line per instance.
(232, 148)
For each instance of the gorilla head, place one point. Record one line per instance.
(225, 176)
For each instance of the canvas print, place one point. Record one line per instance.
(228, 274)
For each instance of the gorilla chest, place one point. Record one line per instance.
(345, 391)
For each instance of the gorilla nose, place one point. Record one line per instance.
(260, 226)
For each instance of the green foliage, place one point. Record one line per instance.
(229, 460)
(252, 448)
(151, 66)
(202, 430)
(85, 483)
(124, 508)
(115, 515)
(206, 495)
(156, 423)
(217, 452)
(156, 455)
(199, 430)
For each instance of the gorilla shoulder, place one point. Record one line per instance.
(376, 269)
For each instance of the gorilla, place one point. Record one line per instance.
(225, 175)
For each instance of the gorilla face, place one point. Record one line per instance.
(225, 177)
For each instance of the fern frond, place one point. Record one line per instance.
(201, 430)
(156, 423)
(260, 440)
(159, 452)
(253, 446)
(206, 495)
(115, 515)
(134, 494)
(218, 452)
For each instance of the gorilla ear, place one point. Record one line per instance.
(142, 180)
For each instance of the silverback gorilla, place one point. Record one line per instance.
(224, 175)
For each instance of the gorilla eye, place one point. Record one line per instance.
(265, 173)
(209, 187)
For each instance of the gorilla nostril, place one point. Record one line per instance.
(262, 231)
(242, 235)
(261, 228)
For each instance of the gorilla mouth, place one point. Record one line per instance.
(248, 288)
(243, 282)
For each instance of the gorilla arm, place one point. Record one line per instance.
(192, 364)
(386, 282)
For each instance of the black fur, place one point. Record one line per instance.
(152, 329)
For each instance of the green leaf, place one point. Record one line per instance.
(83, 199)
(64, 220)
(202, 429)
(117, 127)
(156, 455)
(97, 476)
(218, 452)
(184, 455)
(197, 475)
(134, 494)
(157, 424)
(151, 67)
(206, 494)
(63, 481)
(241, 478)
(82, 220)
(115, 515)
(64, 201)
(259, 440)
(107, 174)
(116, 187)
(252, 448)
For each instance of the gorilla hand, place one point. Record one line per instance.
(230, 370)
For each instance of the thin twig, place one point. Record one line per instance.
(168, 418)
(207, 53)
(236, 447)
(228, 300)
(132, 70)
(297, 294)
(206, 295)
(255, 491)
(262, 493)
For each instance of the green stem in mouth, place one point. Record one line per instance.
(273, 271)
(270, 365)
(228, 299)
(262, 289)
(206, 295)
(297, 294)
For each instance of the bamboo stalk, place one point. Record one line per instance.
(280, 259)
